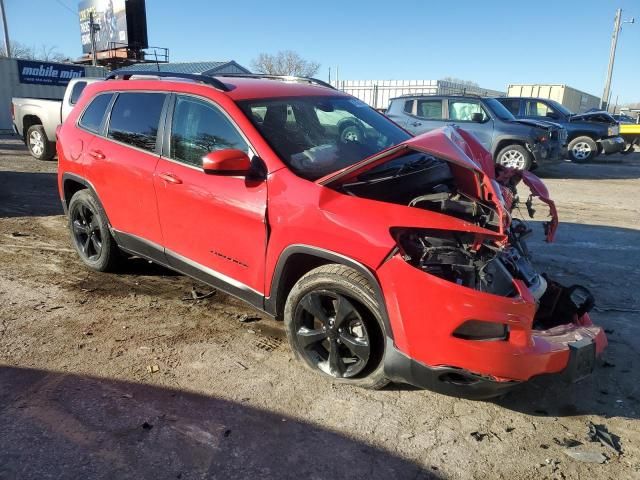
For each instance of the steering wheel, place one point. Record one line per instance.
(350, 132)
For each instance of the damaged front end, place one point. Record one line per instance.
(486, 316)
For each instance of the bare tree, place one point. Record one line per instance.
(27, 52)
(285, 62)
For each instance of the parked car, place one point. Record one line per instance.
(589, 133)
(631, 134)
(623, 118)
(518, 144)
(35, 119)
(389, 257)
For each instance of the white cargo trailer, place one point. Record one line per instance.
(377, 93)
(575, 100)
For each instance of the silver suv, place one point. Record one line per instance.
(513, 143)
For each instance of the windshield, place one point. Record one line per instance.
(316, 136)
(561, 108)
(499, 110)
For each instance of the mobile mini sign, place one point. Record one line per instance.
(45, 73)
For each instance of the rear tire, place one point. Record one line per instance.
(90, 233)
(582, 149)
(344, 338)
(38, 143)
(514, 156)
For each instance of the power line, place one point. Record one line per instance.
(67, 7)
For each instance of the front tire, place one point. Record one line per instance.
(333, 324)
(514, 156)
(90, 233)
(582, 149)
(38, 143)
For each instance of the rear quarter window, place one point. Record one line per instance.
(76, 92)
(94, 114)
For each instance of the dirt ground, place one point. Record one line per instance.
(80, 396)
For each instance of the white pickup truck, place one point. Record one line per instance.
(35, 119)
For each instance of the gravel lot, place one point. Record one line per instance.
(80, 396)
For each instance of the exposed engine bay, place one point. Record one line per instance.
(420, 180)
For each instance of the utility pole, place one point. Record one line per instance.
(5, 29)
(93, 28)
(617, 25)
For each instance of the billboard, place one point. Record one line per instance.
(122, 23)
(46, 73)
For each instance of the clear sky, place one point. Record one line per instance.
(493, 43)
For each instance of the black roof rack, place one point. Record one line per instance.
(284, 78)
(196, 77)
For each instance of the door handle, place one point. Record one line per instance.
(170, 178)
(416, 124)
(97, 154)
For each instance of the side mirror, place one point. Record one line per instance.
(477, 117)
(228, 160)
(552, 115)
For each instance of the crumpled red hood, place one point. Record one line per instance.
(471, 164)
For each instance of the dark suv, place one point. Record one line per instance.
(513, 143)
(589, 134)
(389, 257)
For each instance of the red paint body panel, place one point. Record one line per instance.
(240, 228)
(215, 220)
(425, 310)
(124, 182)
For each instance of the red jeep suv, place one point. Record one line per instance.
(389, 257)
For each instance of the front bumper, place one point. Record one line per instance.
(425, 310)
(612, 145)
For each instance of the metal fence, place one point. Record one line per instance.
(377, 93)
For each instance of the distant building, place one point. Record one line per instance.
(575, 100)
(377, 93)
(204, 68)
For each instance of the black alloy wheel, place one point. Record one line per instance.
(331, 334)
(91, 237)
(86, 232)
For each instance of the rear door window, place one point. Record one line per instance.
(94, 114)
(135, 117)
(198, 127)
(430, 109)
(463, 110)
(534, 108)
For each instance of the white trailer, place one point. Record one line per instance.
(575, 100)
(377, 93)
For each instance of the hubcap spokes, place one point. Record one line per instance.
(581, 150)
(513, 159)
(36, 143)
(86, 232)
(332, 334)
